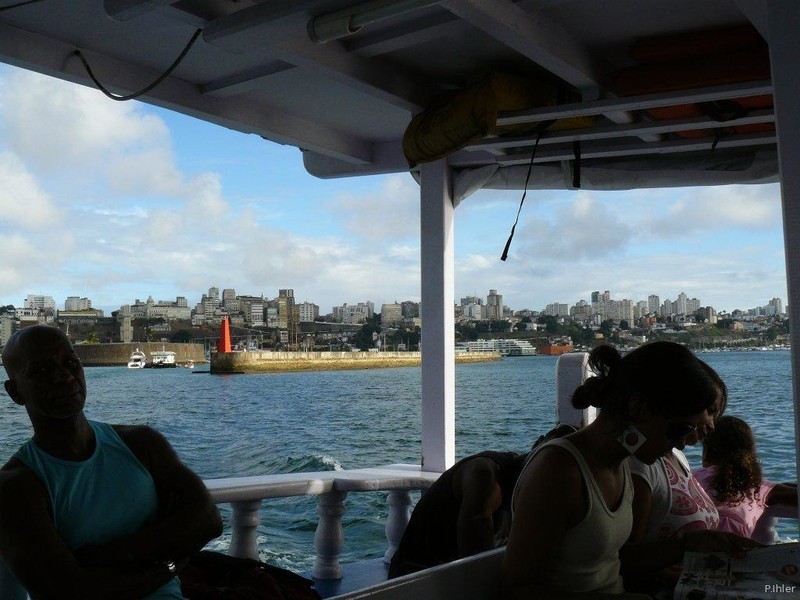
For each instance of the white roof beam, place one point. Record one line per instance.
(273, 26)
(410, 33)
(756, 13)
(53, 57)
(533, 36)
(246, 81)
(625, 130)
(370, 76)
(582, 109)
(123, 10)
(615, 150)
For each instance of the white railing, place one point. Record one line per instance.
(245, 495)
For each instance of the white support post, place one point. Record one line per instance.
(244, 522)
(784, 43)
(399, 502)
(329, 537)
(438, 327)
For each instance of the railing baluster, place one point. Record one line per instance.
(329, 537)
(244, 523)
(399, 502)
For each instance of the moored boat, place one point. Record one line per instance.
(162, 359)
(138, 360)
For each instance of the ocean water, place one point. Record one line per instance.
(234, 425)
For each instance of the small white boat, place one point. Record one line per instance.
(162, 359)
(138, 360)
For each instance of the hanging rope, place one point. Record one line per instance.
(158, 80)
(504, 256)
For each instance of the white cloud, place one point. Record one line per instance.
(740, 207)
(582, 228)
(23, 203)
(58, 125)
(385, 214)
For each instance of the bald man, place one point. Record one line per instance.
(90, 510)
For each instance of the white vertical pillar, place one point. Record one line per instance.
(438, 327)
(784, 43)
(244, 523)
(396, 521)
(329, 537)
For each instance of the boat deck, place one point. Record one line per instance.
(355, 576)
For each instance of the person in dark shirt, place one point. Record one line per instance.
(466, 511)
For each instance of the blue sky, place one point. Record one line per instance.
(116, 201)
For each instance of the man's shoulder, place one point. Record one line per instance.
(136, 433)
(17, 482)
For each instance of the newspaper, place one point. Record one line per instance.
(769, 573)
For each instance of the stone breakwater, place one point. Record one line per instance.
(115, 355)
(275, 362)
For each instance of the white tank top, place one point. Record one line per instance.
(588, 559)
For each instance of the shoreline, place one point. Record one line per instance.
(279, 362)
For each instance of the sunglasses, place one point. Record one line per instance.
(675, 432)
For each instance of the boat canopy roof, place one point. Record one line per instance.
(619, 94)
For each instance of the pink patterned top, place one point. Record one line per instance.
(679, 502)
(740, 518)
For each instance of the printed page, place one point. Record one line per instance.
(770, 573)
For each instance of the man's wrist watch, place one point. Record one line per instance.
(170, 565)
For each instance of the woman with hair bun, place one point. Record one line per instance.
(731, 475)
(573, 501)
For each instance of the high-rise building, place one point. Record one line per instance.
(76, 303)
(307, 312)
(595, 297)
(410, 309)
(230, 301)
(286, 309)
(680, 304)
(494, 306)
(776, 305)
(653, 303)
(353, 315)
(39, 302)
(8, 325)
(391, 314)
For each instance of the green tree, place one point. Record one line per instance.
(607, 327)
(725, 323)
(363, 339)
(623, 325)
(550, 324)
(184, 336)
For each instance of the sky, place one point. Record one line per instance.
(116, 201)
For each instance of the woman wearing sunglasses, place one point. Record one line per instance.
(573, 504)
(669, 503)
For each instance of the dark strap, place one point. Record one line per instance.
(539, 131)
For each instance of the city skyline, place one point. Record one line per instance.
(131, 200)
(80, 302)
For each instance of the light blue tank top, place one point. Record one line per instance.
(112, 487)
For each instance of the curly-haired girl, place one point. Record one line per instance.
(731, 475)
